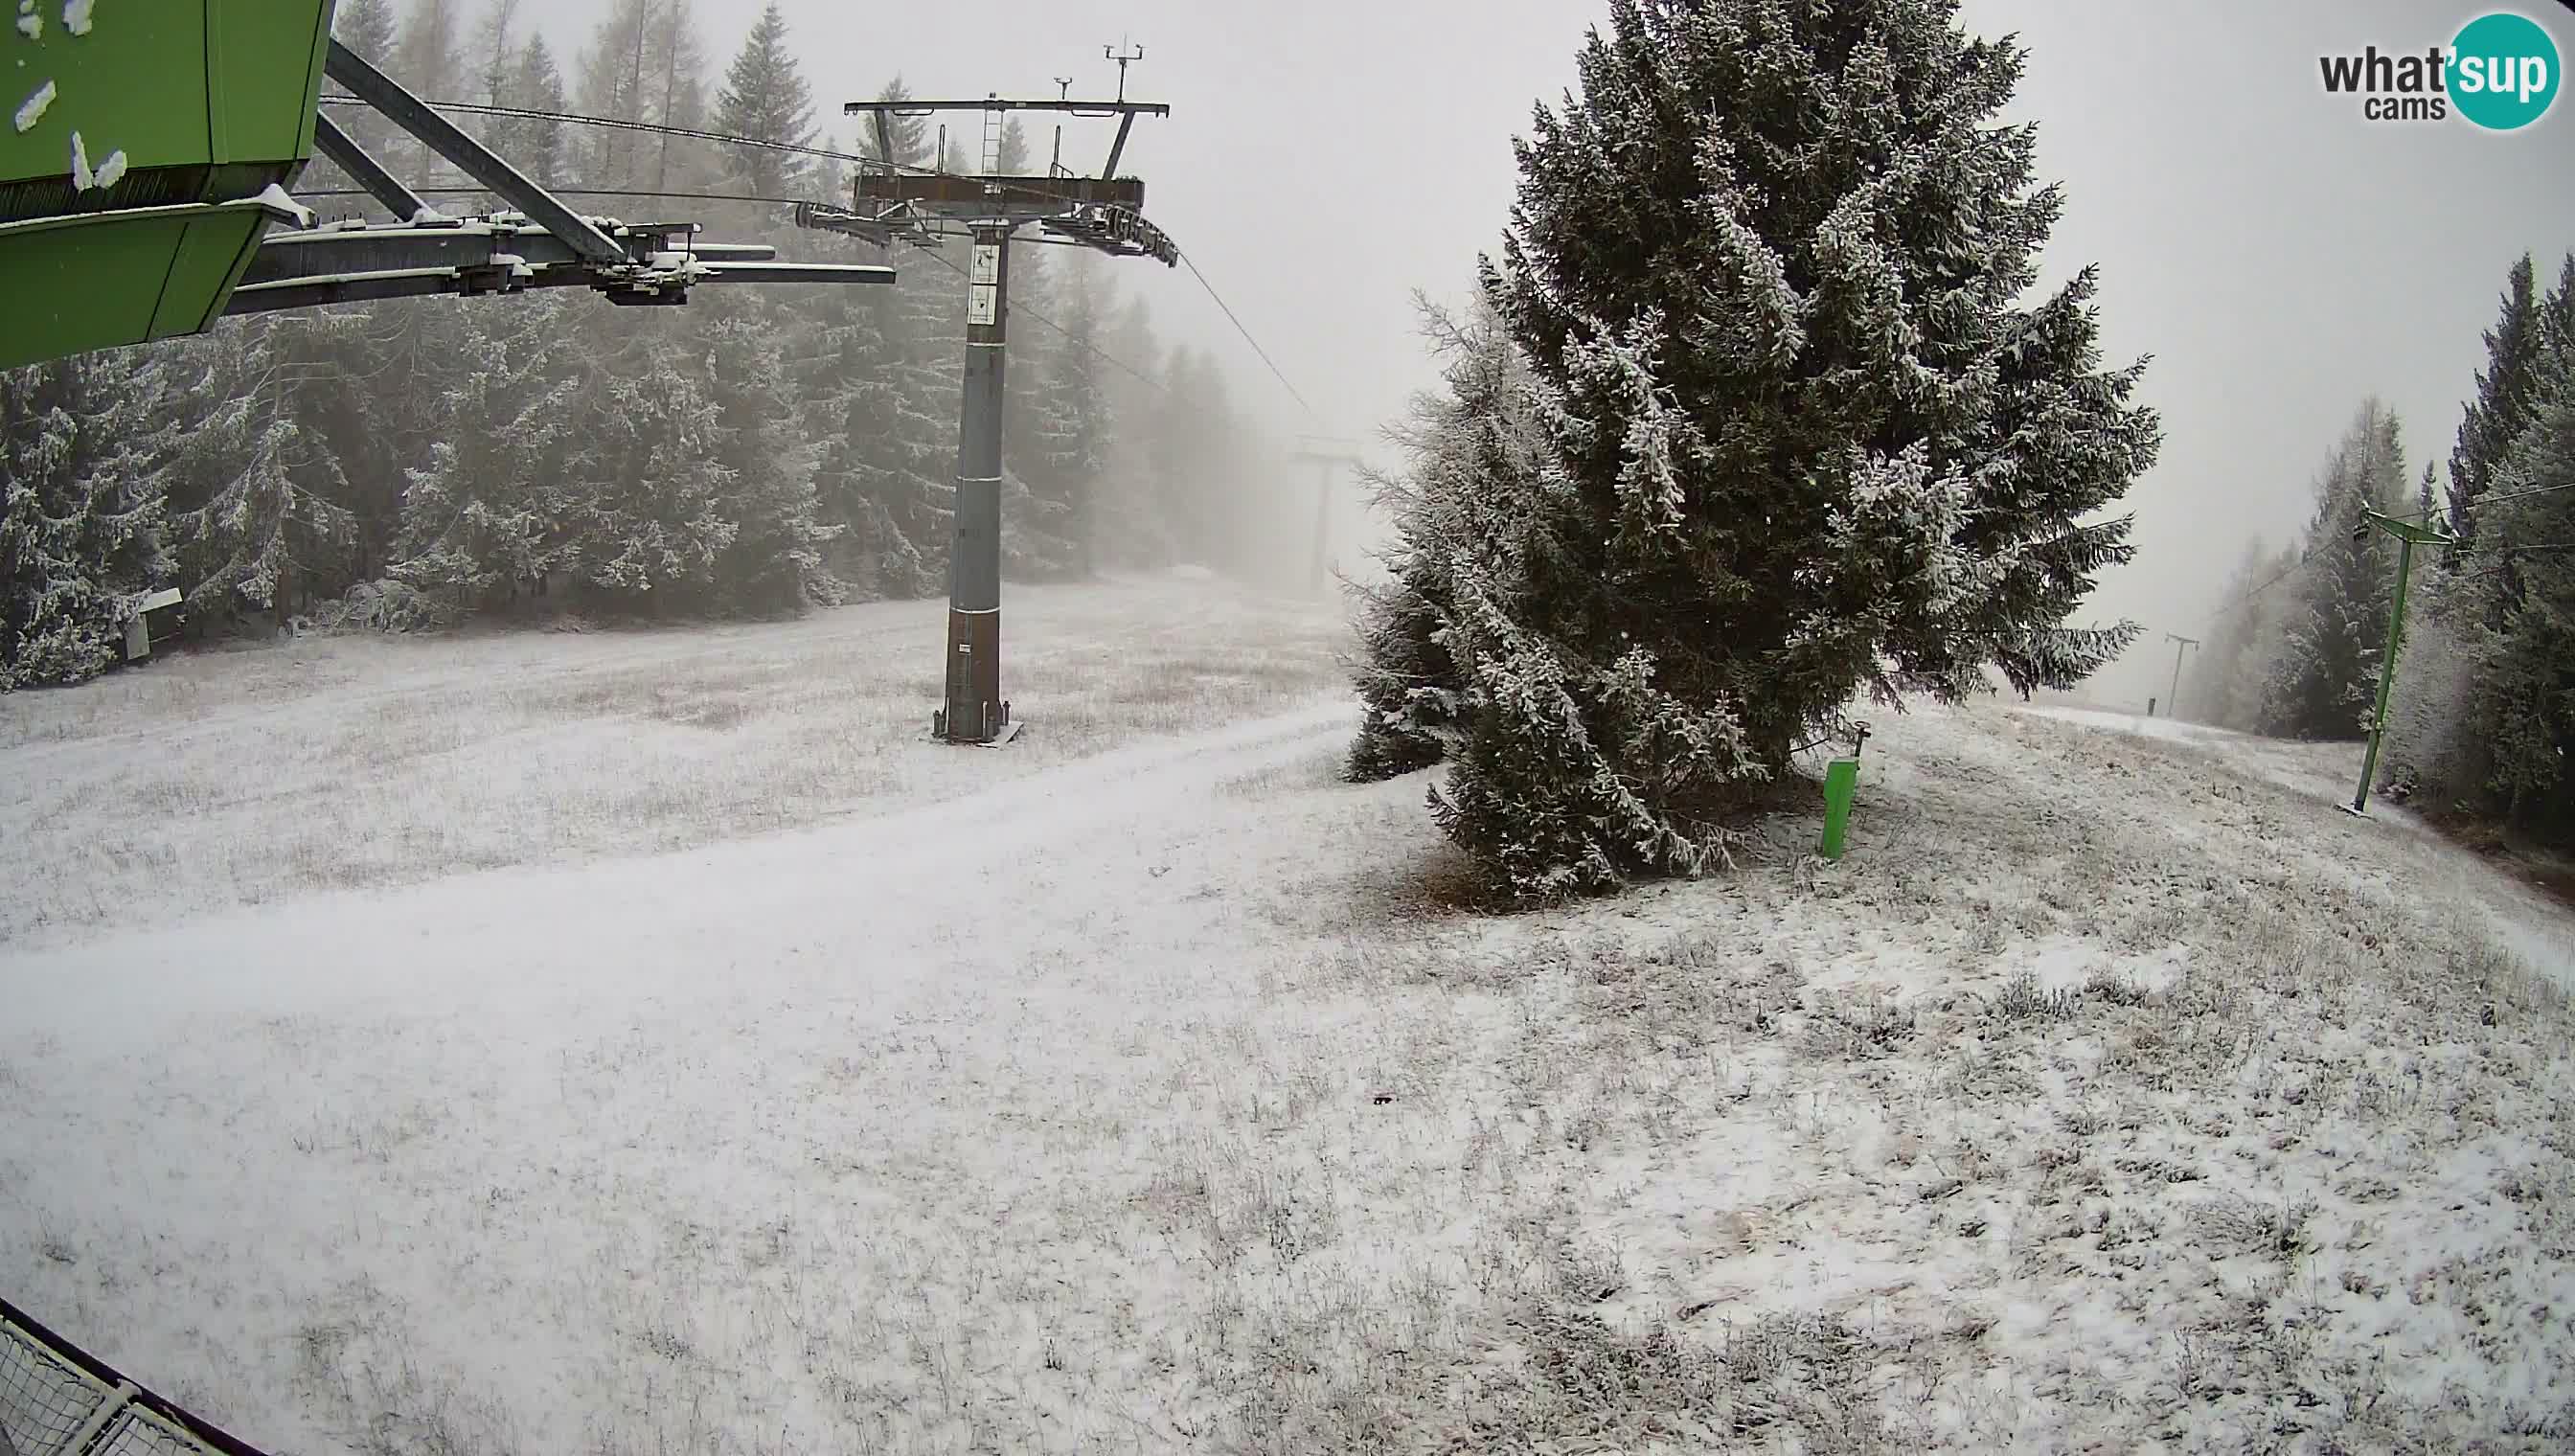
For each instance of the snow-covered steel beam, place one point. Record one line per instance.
(359, 287)
(386, 189)
(1117, 148)
(796, 273)
(317, 289)
(1027, 198)
(465, 242)
(448, 140)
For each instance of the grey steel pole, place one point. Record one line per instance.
(975, 711)
(1322, 522)
(2181, 645)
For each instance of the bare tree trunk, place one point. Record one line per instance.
(670, 91)
(635, 88)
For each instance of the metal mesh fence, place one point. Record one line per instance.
(57, 1402)
(44, 1399)
(138, 1432)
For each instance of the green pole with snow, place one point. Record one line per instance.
(1841, 781)
(2408, 535)
(1842, 777)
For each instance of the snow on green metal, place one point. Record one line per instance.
(1841, 780)
(124, 128)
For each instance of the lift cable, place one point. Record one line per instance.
(698, 134)
(1248, 339)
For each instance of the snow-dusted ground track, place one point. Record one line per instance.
(1148, 1092)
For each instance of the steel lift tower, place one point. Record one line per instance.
(1325, 452)
(892, 203)
(2173, 700)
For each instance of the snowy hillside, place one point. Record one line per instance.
(1138, 1088)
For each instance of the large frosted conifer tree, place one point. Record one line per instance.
(1805, 434)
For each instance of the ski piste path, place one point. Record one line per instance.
(2527, 922)
(928, 889)
(902, 1089)
(446, 1111)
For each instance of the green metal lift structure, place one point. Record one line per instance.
(2409, 533)
(147, 173)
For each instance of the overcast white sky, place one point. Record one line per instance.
(2280, 256)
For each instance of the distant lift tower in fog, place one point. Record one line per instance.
(1325, 452)
(894, 201)
(2173, 700)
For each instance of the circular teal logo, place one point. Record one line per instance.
(2503, 71)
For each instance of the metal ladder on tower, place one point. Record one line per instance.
(992, 145)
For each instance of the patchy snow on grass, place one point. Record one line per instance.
(2417, 861)
(1149, 1093)
(212, 779)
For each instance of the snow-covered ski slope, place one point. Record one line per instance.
(2413, 860)
(1147, 1092)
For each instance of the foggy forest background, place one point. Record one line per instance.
(430, 462)
(2482, 715)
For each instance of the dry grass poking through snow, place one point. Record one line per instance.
(2104, 1099)
(247, 775)
(2101, 1101)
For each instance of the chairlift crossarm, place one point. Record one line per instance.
(543, 243)
(884, 111)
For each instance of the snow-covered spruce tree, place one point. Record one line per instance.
(1472, 452)
(847, 394)
(775, 563)
(339, 371)
(900, 415)
(2520, 587)
(2474, 725)
(429, 60)
(651, 520)
(80, 517)
(253, 497)
(368, 27)
(2548, 348)
(2496, 417)
(536, 84)
(1128, 528)
(1074, 417)
(1192, 454)
(765, 95)
(2208, 685)
(1766, 270)
(2268, 616)
(645, 63)
(488, 515)
(2433, 753)
(2323, 677)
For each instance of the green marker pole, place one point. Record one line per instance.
(1841, 779)
(2407, 535)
